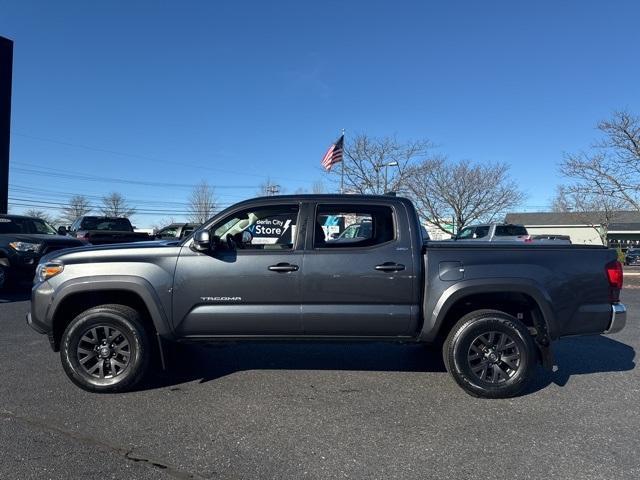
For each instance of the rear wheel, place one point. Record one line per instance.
(105, 349)
(490, 354)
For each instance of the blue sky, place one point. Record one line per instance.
(234, 92)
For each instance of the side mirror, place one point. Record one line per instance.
(202, 241)
(62, 230)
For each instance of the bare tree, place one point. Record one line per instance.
(202, 203)
(611, 167)
(41, 214)
(163, 222)
(77, 207)
(115, 205)
(317, 188)
(594, 209)
(450, 195)
(373, 164)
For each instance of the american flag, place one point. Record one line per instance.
(334, 154)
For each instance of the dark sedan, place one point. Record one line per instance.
(632, 257)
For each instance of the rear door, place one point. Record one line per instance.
(358, 285)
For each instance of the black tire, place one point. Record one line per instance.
(490, 354)
(109, 334)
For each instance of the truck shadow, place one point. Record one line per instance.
(583, 356)
(210, 362)
(575, 356)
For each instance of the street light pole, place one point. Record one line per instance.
(386, 174)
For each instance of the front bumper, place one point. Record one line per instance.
(33, 325)
(618, 318)
(41, 299)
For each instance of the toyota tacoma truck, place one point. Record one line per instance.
(269, 268)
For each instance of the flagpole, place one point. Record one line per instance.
(342, 166)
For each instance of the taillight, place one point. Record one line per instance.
(615, 277)
(84, 236)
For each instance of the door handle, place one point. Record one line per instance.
(390, 267)
(283, 267)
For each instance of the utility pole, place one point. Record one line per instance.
(6, 67)
(272, 189)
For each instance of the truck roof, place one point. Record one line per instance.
(328, 197)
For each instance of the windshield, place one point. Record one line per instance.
(43, 228)
(26, 225)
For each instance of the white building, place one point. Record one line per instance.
(582, 228)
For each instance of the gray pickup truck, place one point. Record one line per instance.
(272, 268)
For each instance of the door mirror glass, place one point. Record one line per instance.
(202, 241)
(62, 230)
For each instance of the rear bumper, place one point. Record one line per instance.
(618, 318)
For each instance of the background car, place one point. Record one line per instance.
(632, 257)
(23, 241)
(176, 230)
(494, 232)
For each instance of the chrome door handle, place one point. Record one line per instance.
(390, 267)
(283, 267)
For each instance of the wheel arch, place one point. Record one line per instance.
(512, 296)
(78, 295)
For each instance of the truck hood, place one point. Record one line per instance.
(110, 252)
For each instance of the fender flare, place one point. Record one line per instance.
(459, 290)
(130, 283)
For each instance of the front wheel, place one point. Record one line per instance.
(490, 354)
(105, 349)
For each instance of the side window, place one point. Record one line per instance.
(465, 233)
(262, 228)
(188, 230)
(343, 226)
(482, 231)
(168, 232)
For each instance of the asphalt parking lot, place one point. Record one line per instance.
(320, 411)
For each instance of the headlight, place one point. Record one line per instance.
(25, 246)
(47, 270)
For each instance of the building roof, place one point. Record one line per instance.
(622, 220)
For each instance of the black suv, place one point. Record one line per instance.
(23, 240)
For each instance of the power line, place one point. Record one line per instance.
(39, 190)
(16, 202)
(152, 159)
(94, 178)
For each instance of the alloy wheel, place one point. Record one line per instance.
(103, 352)
(494, 357)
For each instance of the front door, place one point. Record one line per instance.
(359, 274)
(249, 284)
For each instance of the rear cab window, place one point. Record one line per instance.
(510, 231)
